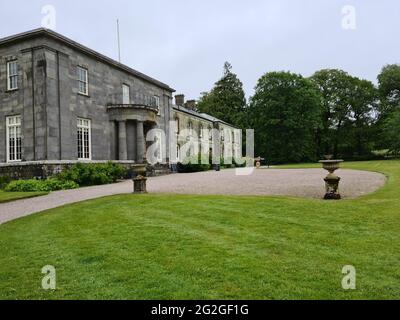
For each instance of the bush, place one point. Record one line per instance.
(93, 173)
(231, 163)
(192, 164)
(240, 164)
(4, 181)
(40, 185)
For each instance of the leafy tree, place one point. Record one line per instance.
(389, 92)
(349, 114)
(389, 88)
(391, 131)
(362, 117)
(334, 86)
(226, 100)
(285, 113)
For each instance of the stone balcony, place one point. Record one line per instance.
(141, 107)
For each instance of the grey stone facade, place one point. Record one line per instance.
(48, 101)
(186, 116)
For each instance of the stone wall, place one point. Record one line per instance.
(46, 169)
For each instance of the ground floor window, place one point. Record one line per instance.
(14, 139)
(84, 139)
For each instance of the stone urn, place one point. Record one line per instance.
(258, 162)
(331, 180)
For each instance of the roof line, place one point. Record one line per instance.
(54, 35)
(200, 115)
(190, 112)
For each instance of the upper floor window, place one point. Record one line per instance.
(83, 81)
(126, 94)
(14, 139)
(157, 104)
(84, 139)
(12, 75)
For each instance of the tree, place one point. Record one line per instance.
(389, 88)
(285, 113)
(349, 105)
(334, 86)
(391, 131)
(226, 100)
(362, 117)
(389, 92)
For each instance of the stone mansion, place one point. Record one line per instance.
(61, 102)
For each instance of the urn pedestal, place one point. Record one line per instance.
(139, 184)
(331, 180)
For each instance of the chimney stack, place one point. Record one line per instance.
(191, 105)
(180, 100)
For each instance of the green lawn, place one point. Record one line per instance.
(11, 196)
(209, 247)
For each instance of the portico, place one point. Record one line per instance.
(133, 121)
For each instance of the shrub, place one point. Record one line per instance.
(240, 164)
(93, 173)
(229, 163)
(232, 163)
(192, 164)
(4, 181)
(40, 185)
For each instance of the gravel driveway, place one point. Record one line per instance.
(292, 182)
(306, 183)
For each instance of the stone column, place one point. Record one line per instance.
(122, 145)
(140, 142)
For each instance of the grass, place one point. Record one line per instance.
(209, 247)
(11, 196)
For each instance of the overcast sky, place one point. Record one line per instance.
(184, 43)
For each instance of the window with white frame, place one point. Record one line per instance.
(12, 75)
(83, 81)
(157, 104)
(84, 139)
(14, 138)
(126, 94)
